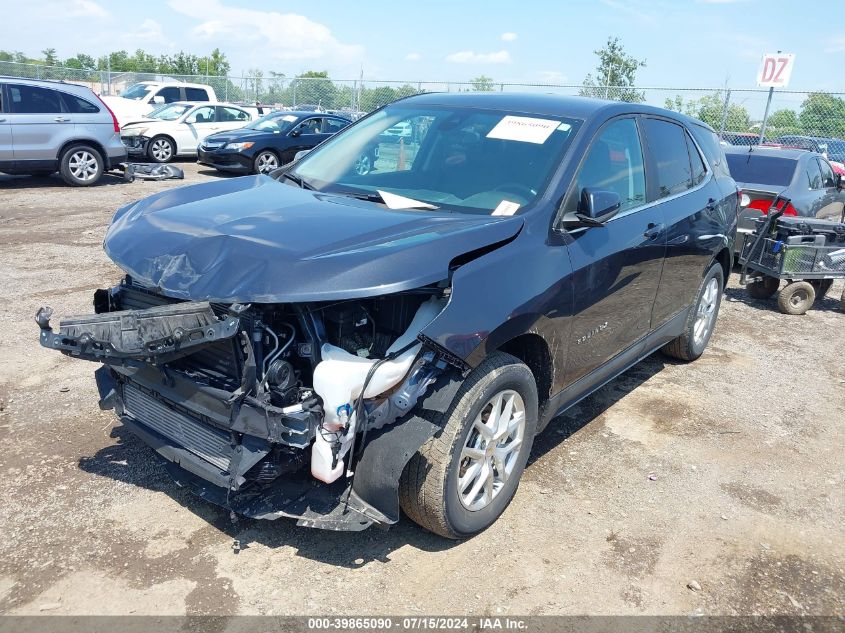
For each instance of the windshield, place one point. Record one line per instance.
(136, 91)
(760, 169)
(169, 112)
(456, 159)
(273, 123)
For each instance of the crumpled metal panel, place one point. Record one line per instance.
(254, 239)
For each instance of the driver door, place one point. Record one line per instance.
(198, 124)
(616, 266)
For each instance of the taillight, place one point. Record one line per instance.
(113, 117)
(764, 206)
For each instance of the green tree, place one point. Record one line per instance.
(711, 109)
(81, 61)
(784, 121)
(822, 114)
(482, 83)
(313, 87)
(50, 58)
(615, 75)
(214, 64)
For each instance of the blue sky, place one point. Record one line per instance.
(686, 43)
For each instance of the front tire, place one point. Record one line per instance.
(265, 162)
(702, 317)
(796, 297)
(81, 165)
(161, 149)
(461, 480)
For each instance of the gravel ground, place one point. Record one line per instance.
(715, 487)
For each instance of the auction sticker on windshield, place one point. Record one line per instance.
(524, 128)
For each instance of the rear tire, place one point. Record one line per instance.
(701, 320)
(476, 459)
(796, 297)
(821, 286)
(81, 165)
(763, 288)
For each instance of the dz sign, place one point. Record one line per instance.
(775, 70)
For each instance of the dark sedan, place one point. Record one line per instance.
(269, 142)
(806, 178)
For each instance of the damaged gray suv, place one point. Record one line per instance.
(331, 346)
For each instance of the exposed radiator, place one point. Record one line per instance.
(206, 442)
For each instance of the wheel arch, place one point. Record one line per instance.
(533, 350)
(725, 258)
(82, 141)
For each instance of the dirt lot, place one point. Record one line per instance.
(727, 475)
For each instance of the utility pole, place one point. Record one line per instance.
(766, 114)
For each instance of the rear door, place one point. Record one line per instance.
(831, 203)
(6, 153)
(39, 124)
(88, 118)
(616, 266)
(230, 118)
(695, 210)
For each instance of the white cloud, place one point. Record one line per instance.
(270, 34)
(509, 36)
(85, 8)
(551, 77)
(148, 31)
(413, 57)
(471, 57)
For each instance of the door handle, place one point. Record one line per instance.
(61, 119)
(2, 120)
(653, 230)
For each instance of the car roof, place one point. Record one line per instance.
(545, 104)
(776, 152)
(55, 83)
(305, 113)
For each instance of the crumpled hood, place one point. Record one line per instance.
(253, 239)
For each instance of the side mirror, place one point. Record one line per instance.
(158, 99)
(300, 154)
(295, 133)
(597, 206)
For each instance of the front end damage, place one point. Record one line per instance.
(302, 410)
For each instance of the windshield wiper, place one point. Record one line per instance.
(302, 184)
(392, 200)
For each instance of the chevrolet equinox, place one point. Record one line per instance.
(333, 346)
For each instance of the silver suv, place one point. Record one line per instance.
(49, 126)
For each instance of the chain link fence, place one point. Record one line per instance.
(811, 120)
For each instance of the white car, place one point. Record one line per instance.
(179, 128)
(140, 99)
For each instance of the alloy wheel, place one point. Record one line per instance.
(491, 450)
(363, 165)
(706, 312)
(266, 162)
(83, 165)
(161, 150)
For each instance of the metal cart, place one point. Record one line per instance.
(808, 265)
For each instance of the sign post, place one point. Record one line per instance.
(775, 71)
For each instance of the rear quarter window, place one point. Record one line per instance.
(759, 169)
(709, 143)
(78, 105)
